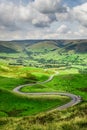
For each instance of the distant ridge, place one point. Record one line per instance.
(15, 46)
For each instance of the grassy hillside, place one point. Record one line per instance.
(10, 47)
(76, 45)
(71, 119)
(14, 108)
(13, 105)
(79, 46)
(43, 46)
(73, 83)
(11, 76)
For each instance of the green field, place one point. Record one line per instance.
(12, 104)
(73, 83)
(19, 112)
(10, 77)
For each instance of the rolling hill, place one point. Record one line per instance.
(36, 45)
(39, 52)
(79, 46)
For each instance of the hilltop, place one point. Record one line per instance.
(20, 45)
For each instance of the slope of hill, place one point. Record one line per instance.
(43, 46)
(10, 47)
(4, 49)
(79, 46)
(36, 45)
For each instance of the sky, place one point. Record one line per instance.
(43, 19)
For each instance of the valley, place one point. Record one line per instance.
(37, 67)
(44, 53)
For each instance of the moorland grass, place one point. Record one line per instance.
(74, 118)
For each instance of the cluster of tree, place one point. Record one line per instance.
(83, 71)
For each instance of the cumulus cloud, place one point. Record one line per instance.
(6, 14)
(39, 13)
(48, 6)
(18, 19)
(15, 16)
(80, 14)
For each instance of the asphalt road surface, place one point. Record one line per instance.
(74, 98)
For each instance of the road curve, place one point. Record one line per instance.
(74, 98)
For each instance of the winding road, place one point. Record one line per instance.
(74, 98)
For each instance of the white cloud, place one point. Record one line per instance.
(80, 14)
(62, 29)
(6, 14)
(17, 16)
(14, 16)
(47, 6)
(32, 20)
